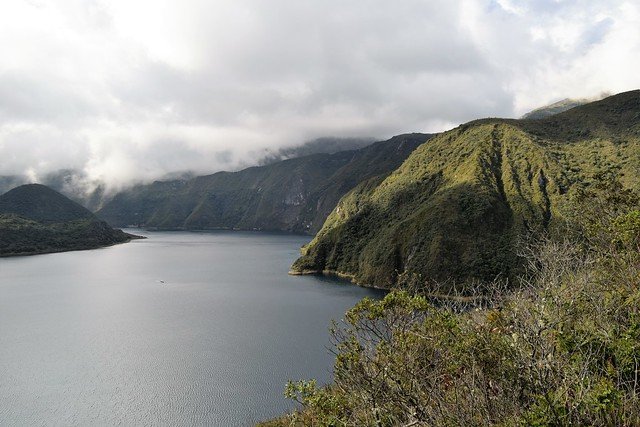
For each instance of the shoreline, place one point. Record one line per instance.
(130, 237)
(333, 273)
(246, 230)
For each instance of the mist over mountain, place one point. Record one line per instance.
(93, 193)
(134, 98)
(560, 107)
(454, 154)
(74, 184)
(8, 182)
(456, 208)
(288, 195)
(327, 145)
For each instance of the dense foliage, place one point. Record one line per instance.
(35, 219)
(289, 195)
(561, 349)
(458, 205)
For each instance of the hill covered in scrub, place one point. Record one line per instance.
(36, 219)
(290, 195)
(457, 207)
(562, 348)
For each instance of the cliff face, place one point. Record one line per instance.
(290, 195)
(457, 206)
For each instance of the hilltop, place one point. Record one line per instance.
(36, 219)
(457, 207)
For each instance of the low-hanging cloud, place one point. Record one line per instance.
(132, 90)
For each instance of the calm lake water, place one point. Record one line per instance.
(95, 337)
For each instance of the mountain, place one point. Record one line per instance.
(36, 219)
(457, 207)
(8, 182)
(290, 195)
(560, 107)
(73, 183)
(76, 185)
(555, 108)
(326, 145)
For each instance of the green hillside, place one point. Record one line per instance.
(560, 349)
(457, 207)
(36, 219)
(290, 195)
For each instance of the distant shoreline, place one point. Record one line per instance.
(332, 273)
(130, 237)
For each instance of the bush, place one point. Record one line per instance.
(561, 349)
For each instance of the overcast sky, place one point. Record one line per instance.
(132, 89)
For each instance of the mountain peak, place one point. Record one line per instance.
(40, 203)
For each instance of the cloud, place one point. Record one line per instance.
(131, 90)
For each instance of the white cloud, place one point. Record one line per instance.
(133, 89)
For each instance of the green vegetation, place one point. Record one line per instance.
(562, 348)
(290, 195)
(457, 207)
(35, 219)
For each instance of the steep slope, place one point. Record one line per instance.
(290, 195)
(457, 206)
(37, 219)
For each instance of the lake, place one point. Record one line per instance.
(177, 329)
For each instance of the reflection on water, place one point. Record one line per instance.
(180, 328)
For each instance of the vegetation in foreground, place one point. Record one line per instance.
(561, 349)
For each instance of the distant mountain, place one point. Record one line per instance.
(36, 219)
(325, 145)
(42, 204)
(457, 206)
(290, 195)
(73, 183)
(93, 194)
(76, 185)
(560, 107)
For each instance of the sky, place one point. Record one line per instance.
(129, 90)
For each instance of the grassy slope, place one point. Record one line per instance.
(457, 205)
(35, 219)
(290, 195)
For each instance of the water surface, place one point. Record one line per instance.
(180, 329)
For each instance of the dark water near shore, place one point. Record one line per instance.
(95, 337)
